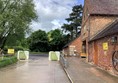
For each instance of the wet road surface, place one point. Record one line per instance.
(36, 70)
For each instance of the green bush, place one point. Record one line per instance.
(8, 60)
(17, 48)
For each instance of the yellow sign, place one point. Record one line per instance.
(10, 51)
(105, 46)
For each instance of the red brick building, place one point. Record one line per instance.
(74, 47)
(99, 29)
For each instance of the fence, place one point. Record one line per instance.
(63, 61)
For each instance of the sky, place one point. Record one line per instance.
(52, 13)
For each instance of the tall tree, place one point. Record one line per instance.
(75, 19)
(56, 39)
(38, 41)
(15, 16)
(68, 28)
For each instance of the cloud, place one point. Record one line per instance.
(56, 24)
(51, 13)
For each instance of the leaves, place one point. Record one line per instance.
(41, 41)
(15, 16)
(56, 40)
(38, 41)
(74, 21)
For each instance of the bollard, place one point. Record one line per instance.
(24, 54)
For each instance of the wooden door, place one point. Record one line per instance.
(95, 53)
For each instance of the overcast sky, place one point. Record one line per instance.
(52, 13)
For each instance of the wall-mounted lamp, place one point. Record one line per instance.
(114, 39)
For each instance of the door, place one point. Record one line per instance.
(95, 53)
(71, 50)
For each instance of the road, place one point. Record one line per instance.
(36, 70)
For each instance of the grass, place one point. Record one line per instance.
(7, 61)
(54, 56)
(1, 58)
(38, 52)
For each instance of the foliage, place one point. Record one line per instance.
(56, 40)
(15, 17)
(8, 60)
(16, 48)
(38, 41)
(75, 19)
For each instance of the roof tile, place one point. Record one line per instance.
(109, 7)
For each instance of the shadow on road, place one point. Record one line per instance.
(37, 56)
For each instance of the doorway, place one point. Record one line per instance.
(95, 57)
(84, 47)
(83, 53)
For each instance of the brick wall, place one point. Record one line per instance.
(91, 52)
(104, 57)
(84, 30)
(91, 25)
(66, 51)
(77, 43)
(98, 23)
(94, 24)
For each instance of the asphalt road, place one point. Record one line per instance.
(38, 69)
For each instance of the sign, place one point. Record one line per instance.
(10, 51)
(105, 46)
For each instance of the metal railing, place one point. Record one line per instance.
(63, 61)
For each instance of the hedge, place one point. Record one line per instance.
(7, 61)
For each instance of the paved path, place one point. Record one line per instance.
(36, 70)
(82, 72)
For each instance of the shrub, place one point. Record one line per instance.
(8, 60)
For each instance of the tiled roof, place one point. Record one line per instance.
(109, 30)
(106, 7)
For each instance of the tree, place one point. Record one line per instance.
(68, 28)
(15, 16)
(75, 19)
(56, 39)
(38, 41)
